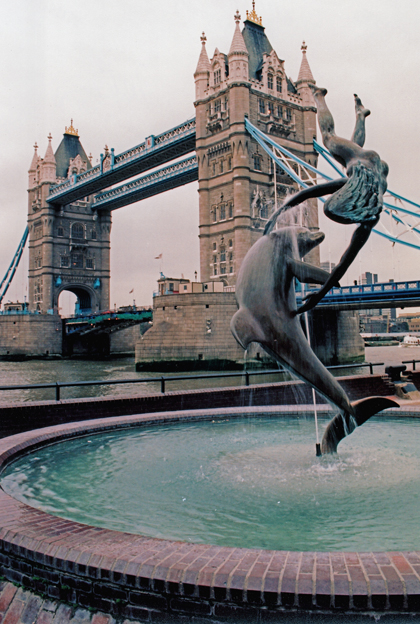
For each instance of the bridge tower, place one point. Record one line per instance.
(69, 247)
(236, 178)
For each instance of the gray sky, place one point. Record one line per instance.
(124, 70)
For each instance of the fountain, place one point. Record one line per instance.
(156, 559)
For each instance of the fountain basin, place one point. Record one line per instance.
(109, 570)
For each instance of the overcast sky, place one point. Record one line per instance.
(124, 70)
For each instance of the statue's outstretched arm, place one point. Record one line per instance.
(313, 191)
(359, 238)
(308, 273)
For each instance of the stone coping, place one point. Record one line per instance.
(140, 577)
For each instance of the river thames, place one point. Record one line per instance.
(52, 371)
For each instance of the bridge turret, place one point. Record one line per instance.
(48, 165)
(202, 73)
(33, 168)
(238, 55)
(305, 78)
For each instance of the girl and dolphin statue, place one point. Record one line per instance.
(265, 288)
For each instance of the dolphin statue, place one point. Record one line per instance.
(265, 293)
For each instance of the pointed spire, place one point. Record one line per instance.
(203, 64)
(35, 159)
(238, 43)
(305, 74)
(49, 154)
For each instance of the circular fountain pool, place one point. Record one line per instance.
(249, 482)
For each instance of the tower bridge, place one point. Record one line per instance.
(250, 144)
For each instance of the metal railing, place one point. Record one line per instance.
(162, 379)
(412, 362)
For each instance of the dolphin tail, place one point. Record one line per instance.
(343, 424)
(245, 329)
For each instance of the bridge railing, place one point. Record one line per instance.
(166, 138)
(163, 380)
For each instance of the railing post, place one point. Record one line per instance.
(162, 385)
(57, 391)
(246, 378)
(414, 365)
(371, 368)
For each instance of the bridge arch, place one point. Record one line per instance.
(87, 298)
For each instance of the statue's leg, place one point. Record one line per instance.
(359, 133)
(343, 150)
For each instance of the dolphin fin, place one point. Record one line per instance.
(245, 328)
(343, 424)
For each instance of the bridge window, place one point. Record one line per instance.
(229, 162)
(223, 270)
(226, 103)
(278, 84)
(270, 81)
(77, 261)
(288, 114)
(222, 212)
(223, 256)
(60, 230)
(38, 231)
(221, 166)
(214, 168)
(77, 230)
(230, 242)
(214, 259)
(257, 162)
(94, 234)
(217, 106)
(217, 76)
(280, 111)
(38, 290)
(214, 214)
(171, 287)
(90, 264)
(38, 262)
(230, 256)
(271, 108)
(215, 270)
(230, 211)
(65, 261)
(261, 105)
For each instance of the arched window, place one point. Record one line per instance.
(222, 212)
(270, 81)
(217, 76)
(77, 230)
(278, 84)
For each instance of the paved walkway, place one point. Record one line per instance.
(18, 606)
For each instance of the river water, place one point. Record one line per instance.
(52, 371)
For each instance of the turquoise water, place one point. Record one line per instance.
(240, 482)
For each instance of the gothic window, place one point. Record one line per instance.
(38, 290)
(229, 162)
(214, 259)
(217, 76)
(214, 246)
(38, 230)
(288, 114)
(77, 261)
(77, 230)
(261, 105)
(214, 168)
(221, 166)
(231, 270)
(65, 261)
(230, 242)
(280, 111)
(215, 270)
(271, 108)
(264, 212)
(93, 233)
(231, 211)
(223, 256)
(222, 212)
(90, 263)
(214, 214)
(226, 103)
(60, 230)
(257, 162)
(223, 270)
(230, 256)
(217, 106)
(38, 261)
(270, 81)
(278, 84)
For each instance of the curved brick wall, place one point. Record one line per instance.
(140, 577)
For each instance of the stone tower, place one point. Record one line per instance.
(69, 247)
(236, 177)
